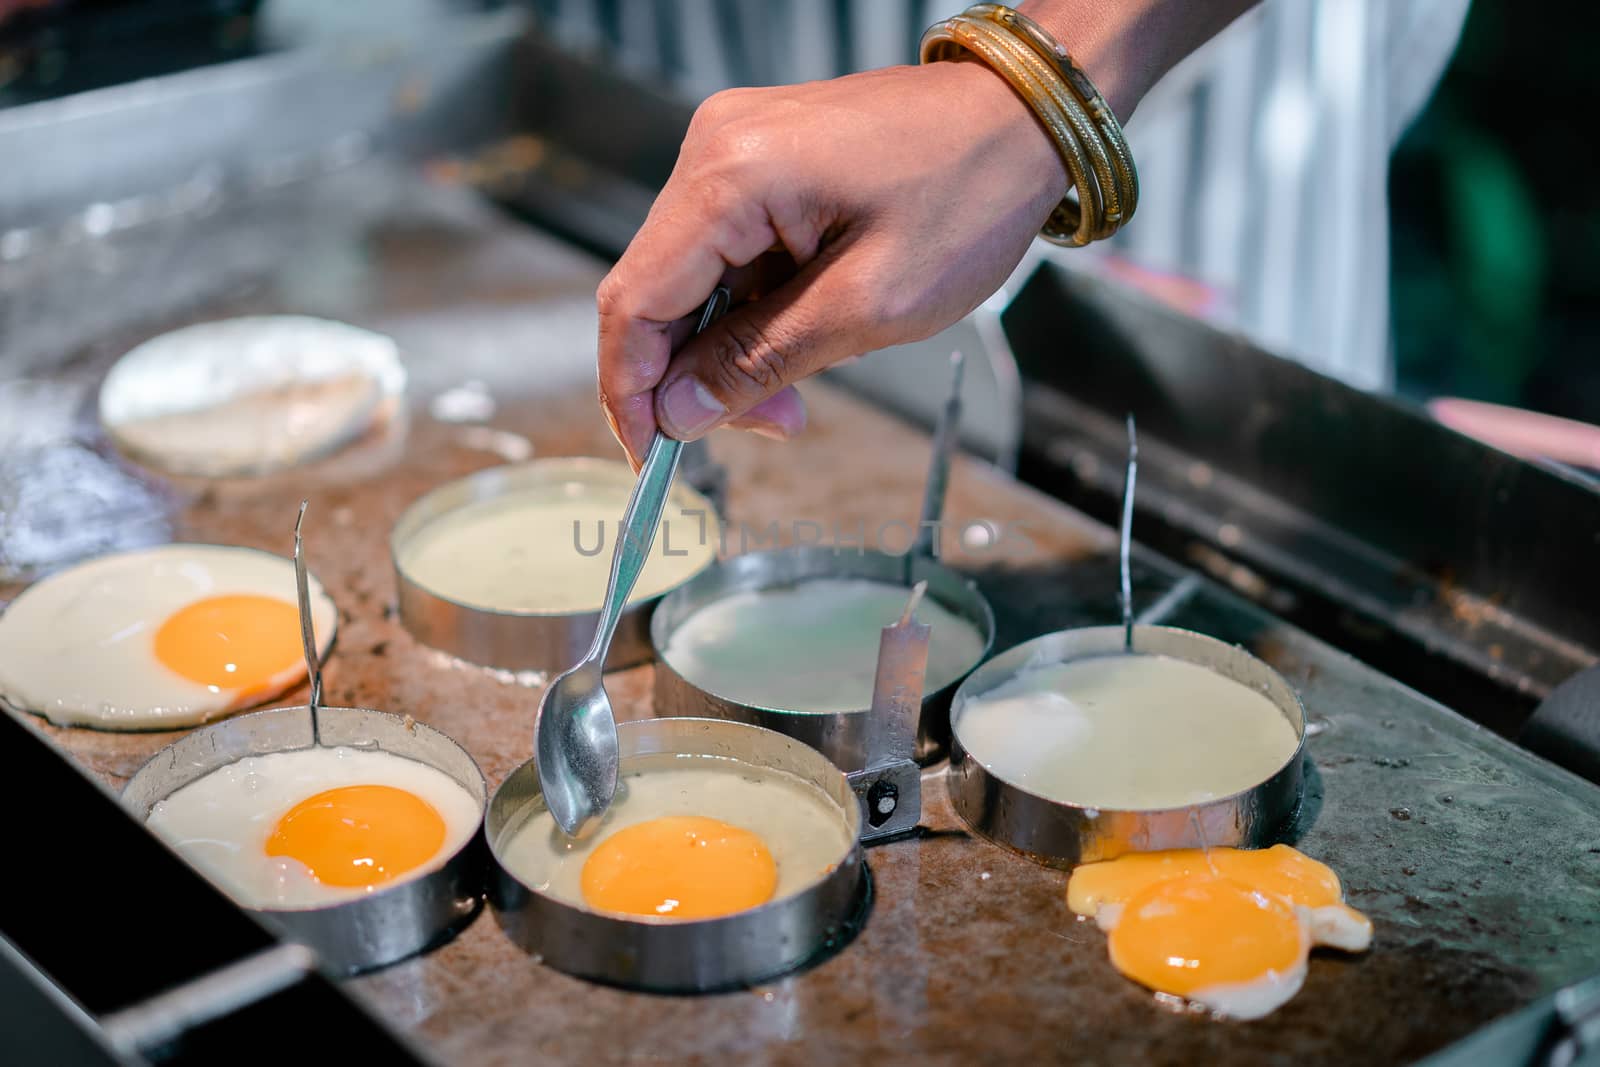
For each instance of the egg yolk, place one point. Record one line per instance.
(682, 866)
(1281, 871)
(1229, 927)
(238, 641)
(1195, 933)
(359, 835)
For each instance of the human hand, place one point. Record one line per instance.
(846, 216)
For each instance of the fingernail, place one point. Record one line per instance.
(768, 430)
(688, 408)
(777, 431)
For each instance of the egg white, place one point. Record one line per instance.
(248, 395)
(1259, 997)
(221, 823)
(78, 647)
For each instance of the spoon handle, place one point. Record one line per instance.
(635, 536)
(639, 523)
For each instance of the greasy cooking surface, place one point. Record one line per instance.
(1480, 866)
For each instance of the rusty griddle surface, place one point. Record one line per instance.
(1479, 864)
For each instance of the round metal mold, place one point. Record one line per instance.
(523, 640)
(368, 932)
(684, 956)
(1060, 834)
(841, 736)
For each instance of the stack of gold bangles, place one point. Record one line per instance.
(1077, 117)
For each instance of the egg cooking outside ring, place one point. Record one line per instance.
(158, 638)
(1227, 928)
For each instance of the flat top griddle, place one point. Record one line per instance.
(1479, 864)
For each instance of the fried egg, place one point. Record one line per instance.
(1227, 928)
(686, 837)
(316, 826)
(249, 395)
(158, 638)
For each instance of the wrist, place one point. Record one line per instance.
(1009, 128)
(1109, 40)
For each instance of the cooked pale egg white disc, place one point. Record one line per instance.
(158, 638)
(1231, 929)
(248, 395)
(686, 837)
(316, 826)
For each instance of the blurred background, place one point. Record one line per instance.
(1493, 216)
(1496, 222)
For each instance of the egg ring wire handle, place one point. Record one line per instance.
(944, 446)
(308, 636)
(1125, 538)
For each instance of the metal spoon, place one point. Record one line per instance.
(575, 735)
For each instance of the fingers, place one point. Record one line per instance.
(765, 273)
(739, 371)
(677, 258)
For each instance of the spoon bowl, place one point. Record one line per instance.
(575, 735)
(575, 743)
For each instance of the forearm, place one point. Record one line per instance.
(1125, 46)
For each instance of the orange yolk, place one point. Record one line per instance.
(1231, 928)
(359, 835)
(1198, 932)
(682, 866)
(1280, 871)
(239, 641)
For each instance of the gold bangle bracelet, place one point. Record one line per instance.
(1108, 134)
(1073, 112)
(1084, 129)
(1072, 224)
(1049, 49)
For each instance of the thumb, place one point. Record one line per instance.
(740, 369)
